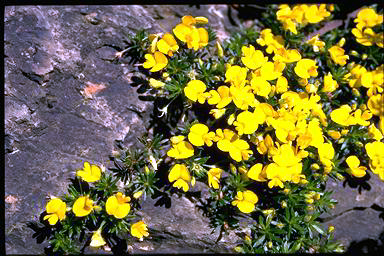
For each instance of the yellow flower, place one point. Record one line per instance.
(326, 153)
(97, 240)
(181, 149)
(354, 165)
(83, 206)
(217, 113)
(257, 172)
(176, 139)
(298, 13)
(375, 151)
(199, 134)
(245, 201)
(342, 116)
(236, 75)
(287, 56)
(362, 118)
(261, 86)
(266, 145)
(374, 133)
(221, 97)
(194, 37)
(286, 16)
(238, 149)
(271, 41)
(155, 62)
(153, 38)
(139, 229)
(375, 104)
(195, 91)
(316, 43)
(315, 14)
(305, 68)
(91, 173)
(252, 59)
(272, 70)
(286, 166)
(167, 44)
(180, 174)
(118, 205)
(365, 37)
(214, 177)
(156, 83)
(56, 209)
(199, 41)
(181, 31)
(281, 85)
(283, 128)
(379, 39)
(329, 84)
(189, 20)
(242, 97)
(367, 17)
(245, 123)
(337, 55)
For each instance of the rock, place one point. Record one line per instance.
(66, 101)
(359, 213)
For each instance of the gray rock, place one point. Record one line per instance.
(53, 123)
(359, 215)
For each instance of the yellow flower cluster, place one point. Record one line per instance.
(375, 151)
(366, 19)
(337, 53)
(302, 15)
(289, 131)
(161, 46)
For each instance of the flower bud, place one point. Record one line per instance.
(354, 53)
(359, 144)
(364, 56)
(331, 229)
(344, 131)
(137, 194)
(232, 168)
(356, 92)
(239, 249)
(309, 200)
(315, 166)
(334, 134)
(340, 177)
(220, 51)
(341, 42)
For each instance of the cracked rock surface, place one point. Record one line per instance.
(66, 102)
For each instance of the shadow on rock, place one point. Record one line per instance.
(359, 183)
(367, 246)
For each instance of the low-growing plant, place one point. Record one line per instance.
(264, 118)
